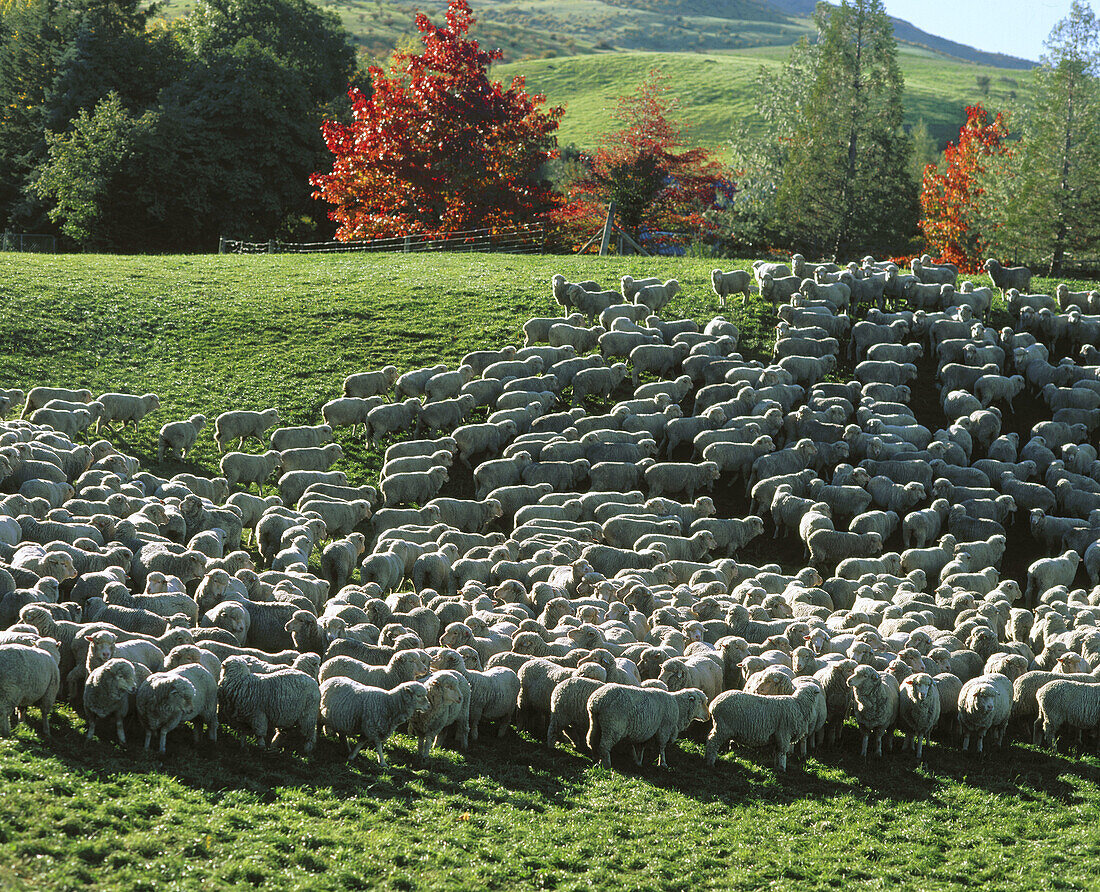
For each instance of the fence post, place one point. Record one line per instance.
(221, 245)
(607, 228)
(271, 246)
(408, 241)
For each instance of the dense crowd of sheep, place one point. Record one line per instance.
(590, 588)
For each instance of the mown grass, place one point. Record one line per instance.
(208, 333)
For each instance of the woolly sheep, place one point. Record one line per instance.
(918, 709)
(1018, 277)
(449, 707)
(242, 425)
(875, 700)
(494, 693)
(985, 705)
(350, 709)
(29, 676)
(757, 720)
(246, 468)
(270, 703)
(732, 282)
(177, 437)
(638, 715)
(107, 695)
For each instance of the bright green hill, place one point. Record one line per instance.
(716, 93)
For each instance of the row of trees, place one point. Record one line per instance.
(132, 134)
(1027, 184)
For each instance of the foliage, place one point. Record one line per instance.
(951, 200)
(438, 147)
(925, 150)
(1045, 195)
(645, 168)
(844, 185)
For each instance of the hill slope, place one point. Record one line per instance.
(716, 93)
(526, 29)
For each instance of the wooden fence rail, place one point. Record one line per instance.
(530, 239)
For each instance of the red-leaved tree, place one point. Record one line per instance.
(950, 200)
(437, 147)
(646, 169)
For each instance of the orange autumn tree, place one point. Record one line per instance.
(437, 147)
(655, 180)
(950, 200)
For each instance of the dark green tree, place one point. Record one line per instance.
(1044, 196)
(846, 186)
(29, 46)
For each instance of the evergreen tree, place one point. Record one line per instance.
(1044, 196)
(845, 185)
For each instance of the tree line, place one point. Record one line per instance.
(129, 133)
(134, 134)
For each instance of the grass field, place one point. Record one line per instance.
(212, 332)
(716, 89)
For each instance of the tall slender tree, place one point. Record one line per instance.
(1045, 195)
(846, 185)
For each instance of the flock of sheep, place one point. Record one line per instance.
(589, 589)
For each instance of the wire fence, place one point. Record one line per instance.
(28, 242)
(526, 239)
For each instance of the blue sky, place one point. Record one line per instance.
(1016, 27)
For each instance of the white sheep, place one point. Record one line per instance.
(29, 676)
(269, 703)
(243, 425)
(246, 468)
(1018, 277)
(918, 709)
(107, 695)
(985, 705)
(757, 720)
(177, 437)
(350, 709)
(875, 705)
(732, 282)
(367, 384)
(639, 715)
(125, 407)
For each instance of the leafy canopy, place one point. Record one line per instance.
(951, 200)
(646, 169)
(436, 146)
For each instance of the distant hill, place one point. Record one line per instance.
(533, 29)
(908, 33)
(716, 89)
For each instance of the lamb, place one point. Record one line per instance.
(243, 425)
(875, 700)
(29, 676)
(641, 715)
(246, 468)
(756, 720)
(270, 703)
(985, 705)
(367, 384)
(918, 709)
(448, 707)
(349, 708)
(1018, 277)
(177, 437)
(734, 282)
(107, 695)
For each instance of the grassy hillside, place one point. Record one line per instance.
(208, 332)
(716, 90)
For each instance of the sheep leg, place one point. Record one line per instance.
(119, 731)
(355, 751)
(863, 746)
(162, 741)
(90, 735)
(148, 737)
